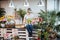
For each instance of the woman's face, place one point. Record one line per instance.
(29, 10)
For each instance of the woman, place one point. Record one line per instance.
(28, 22)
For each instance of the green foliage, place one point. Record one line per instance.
(21, 13)
(36, 26)
(57, 28)
(42, 14)
(52, 18)
(49, 18)
(58, 14)
(39, 33)
(2, 12)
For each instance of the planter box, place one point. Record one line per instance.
(19, 26)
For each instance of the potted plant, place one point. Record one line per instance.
(48, 18)
(21, 13)
(48, 21)
(2, 13)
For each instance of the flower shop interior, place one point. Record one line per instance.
(29, 19)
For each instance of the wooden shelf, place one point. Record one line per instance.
(21, 32)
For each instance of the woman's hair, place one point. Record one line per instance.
(29, 10)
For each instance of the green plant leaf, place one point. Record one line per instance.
(21, 13)
(2, 12)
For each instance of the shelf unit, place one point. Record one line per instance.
(21, 32)
(1, 34)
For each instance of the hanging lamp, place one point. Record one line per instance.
(40, 3)
(11, 4)
(26, 3)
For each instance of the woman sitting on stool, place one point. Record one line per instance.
(28, 22)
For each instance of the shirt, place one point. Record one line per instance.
(28, 18)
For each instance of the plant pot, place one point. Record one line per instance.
(19, 26)
(2, 25)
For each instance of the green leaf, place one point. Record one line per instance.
(21, 12)
(2, 12)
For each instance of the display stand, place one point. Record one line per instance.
(21, 32)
